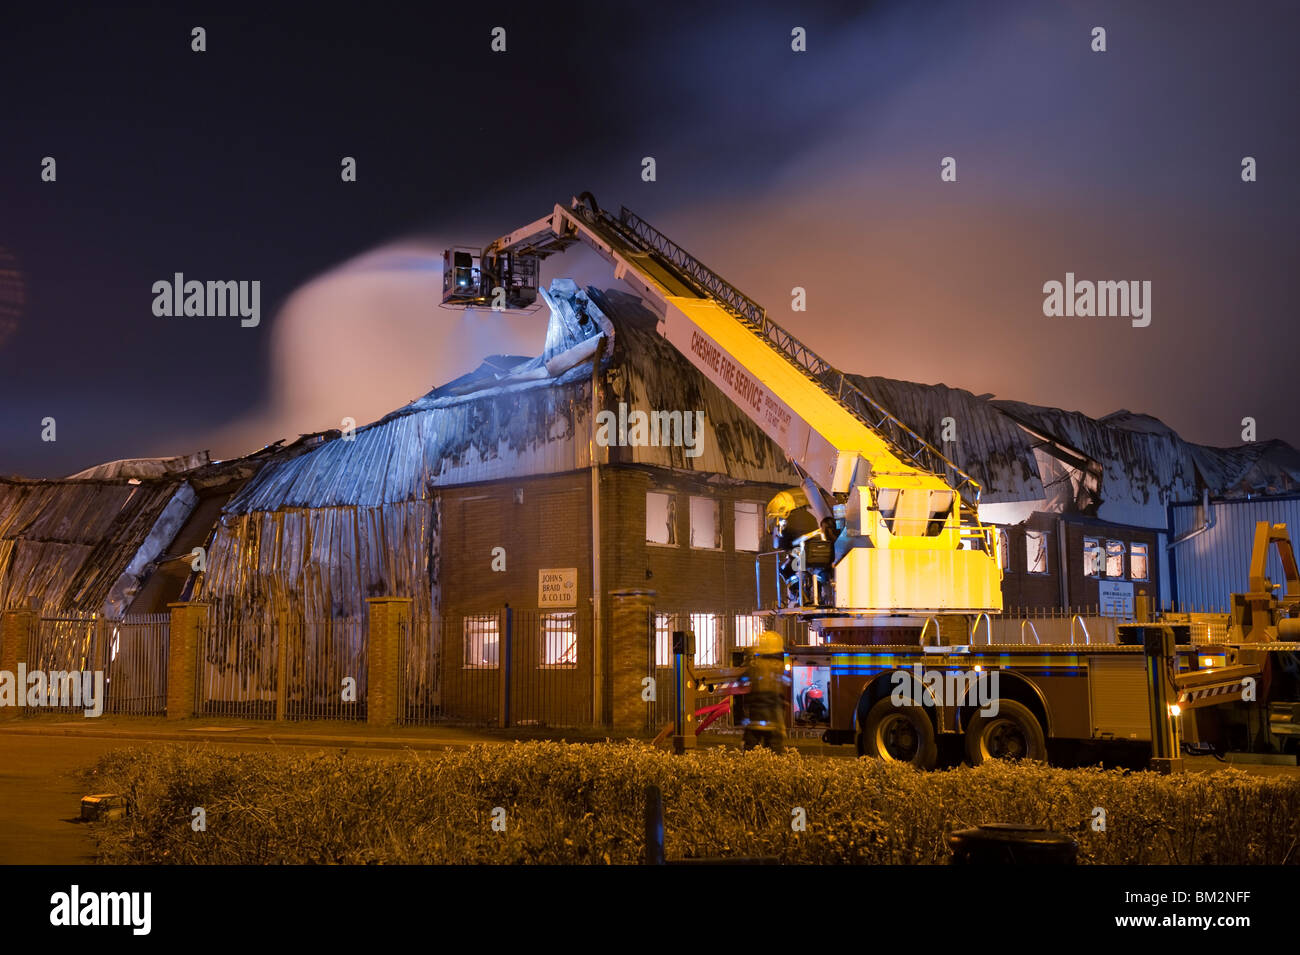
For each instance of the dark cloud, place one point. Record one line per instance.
(818, 169)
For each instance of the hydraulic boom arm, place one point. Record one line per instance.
(909, 538)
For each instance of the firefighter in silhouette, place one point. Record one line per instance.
(769, 686)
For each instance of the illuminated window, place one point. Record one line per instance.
(1035, 552)
(1004, 549)
(748, 627)
(708, 637)
(663, 640)
(1091, 557)
(1114, 558)
(749, 526)
(559, 640)
(482, 642)
(708, 643)
(1137, 561)
(660, 518)
(706, 526)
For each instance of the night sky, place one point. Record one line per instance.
(777, 169)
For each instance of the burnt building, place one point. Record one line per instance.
(522, 511)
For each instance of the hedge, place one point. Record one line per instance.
(569, 803)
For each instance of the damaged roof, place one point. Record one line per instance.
(513, 420)
(1146, 462)
(68, 544)
(515, 416)
(984, 443)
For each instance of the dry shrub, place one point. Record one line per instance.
(568, 803)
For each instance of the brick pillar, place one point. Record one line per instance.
(631, 638)
(389, 616)
(186, 631)
(17, 635)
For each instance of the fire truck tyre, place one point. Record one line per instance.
(899, 734)
(1014, 733)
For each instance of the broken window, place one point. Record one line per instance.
(708, 648)
(1114, 558)
(1137, 561)
(1004, 550)
(706, 527)
(663, 640)
(748, 627)
(660, 518)
(1091, 557)
(559, 640)
(482, 641)
(749, 526)
(1035, 552)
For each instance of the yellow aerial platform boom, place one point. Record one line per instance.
(902, 520)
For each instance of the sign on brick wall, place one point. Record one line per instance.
(557, 587)
(1116, 598)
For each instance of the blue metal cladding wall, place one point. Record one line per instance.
(1213, 565)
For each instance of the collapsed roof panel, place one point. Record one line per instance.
(69, 545)
(984, 442)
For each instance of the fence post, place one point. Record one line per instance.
(631, 636)
(384, 658)
(654, 825)
(186, 634)
(505, 655)
(17, 639)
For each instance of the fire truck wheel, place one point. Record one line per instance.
(899, 734)
(1013, 733)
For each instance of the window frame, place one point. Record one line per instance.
(1146, 561)
(717, 522)
(1100, 545)
(671, 522)
(545, 634)
(467, 634)
(1123, 560)
(758, 529)
(1045, 536)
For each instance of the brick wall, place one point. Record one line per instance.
(545, 523)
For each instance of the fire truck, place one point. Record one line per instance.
(881, 555)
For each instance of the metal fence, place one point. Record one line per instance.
(324, 667)
(126, 661)
(500, 668)
(70, 645)
(237, 666)
(136, 669)
(718, 638)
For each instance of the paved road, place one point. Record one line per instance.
(40, 795)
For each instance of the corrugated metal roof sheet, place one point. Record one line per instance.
(987, 446)
(1146, 463)
(143, 468)
(1142, 468)
(515, 428)
(66, 543)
